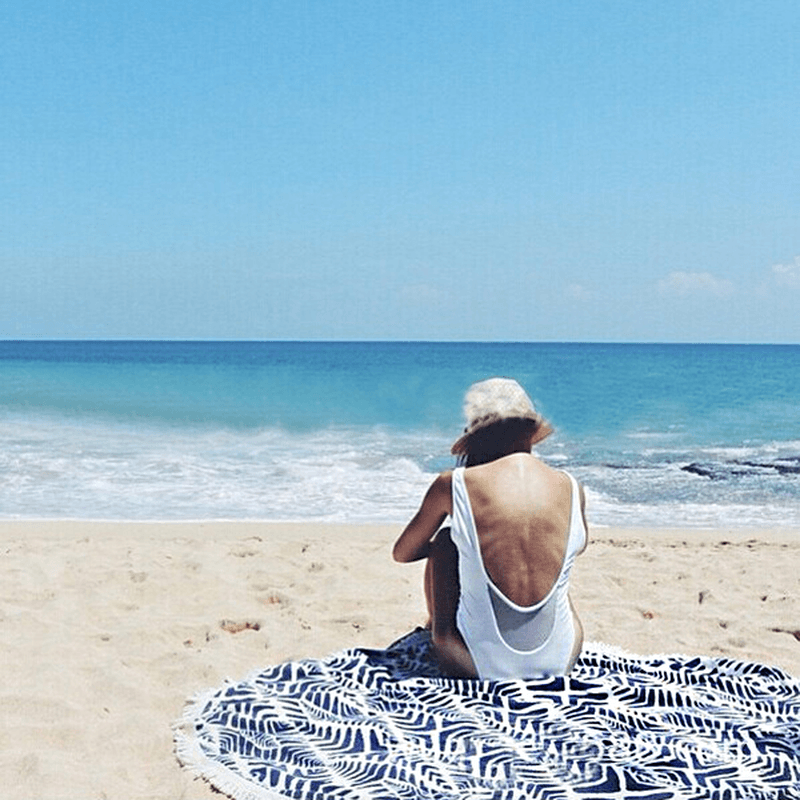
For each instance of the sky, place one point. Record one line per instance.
(612, 170)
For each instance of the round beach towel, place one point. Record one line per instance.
(385, 725)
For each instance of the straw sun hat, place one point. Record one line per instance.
(494, 400)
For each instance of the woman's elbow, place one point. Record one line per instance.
(401, 554)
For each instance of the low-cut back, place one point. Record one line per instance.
(507, 640)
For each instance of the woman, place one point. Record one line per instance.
(496, 581)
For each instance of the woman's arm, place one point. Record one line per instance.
(583, 514)
(414, 541)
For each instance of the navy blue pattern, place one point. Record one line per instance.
(384, 725)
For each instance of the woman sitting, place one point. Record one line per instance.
(496, 580)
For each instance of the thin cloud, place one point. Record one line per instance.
(787, 274)
(685, 284)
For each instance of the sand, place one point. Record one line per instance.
(107, 628)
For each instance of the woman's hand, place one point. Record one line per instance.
(414, 542)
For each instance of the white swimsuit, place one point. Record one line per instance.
(504, 639)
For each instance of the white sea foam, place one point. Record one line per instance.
(121, 471)
(56, 467)
(693, 515)
(655, 435)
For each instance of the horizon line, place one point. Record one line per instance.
(199, 340)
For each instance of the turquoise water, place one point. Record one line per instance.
(659, 434)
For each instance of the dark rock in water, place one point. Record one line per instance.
(712, 471)
(780, 466)
(740, 468)
(786, 469)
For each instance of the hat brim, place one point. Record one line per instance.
(459, 445)
(543, 430)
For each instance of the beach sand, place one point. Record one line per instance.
(107, 628)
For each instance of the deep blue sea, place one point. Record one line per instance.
(661, 435)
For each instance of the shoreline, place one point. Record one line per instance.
(596, 531)
(107, 628)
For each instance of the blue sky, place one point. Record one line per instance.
(586, 171)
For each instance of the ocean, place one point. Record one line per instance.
(661, 435)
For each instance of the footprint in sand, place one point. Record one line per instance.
(243, 552)
(273, 598)
(796, 633)
(357, 623)
(233, 626)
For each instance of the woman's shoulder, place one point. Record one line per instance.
(442, 483)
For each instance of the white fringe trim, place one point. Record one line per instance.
(191, 756)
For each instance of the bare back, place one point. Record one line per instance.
(522, 515)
